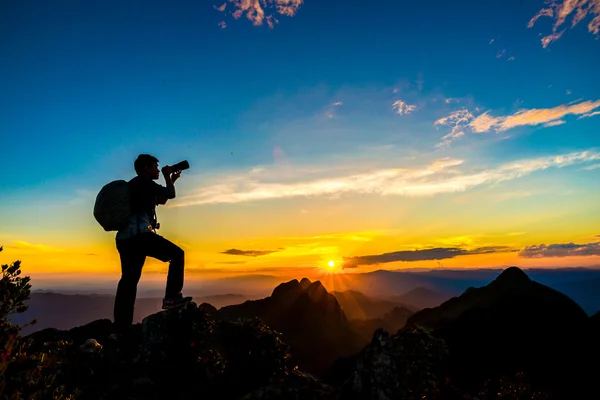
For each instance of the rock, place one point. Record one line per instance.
(91, 346)
(296, 386)
(207, 308)
(401, 366)
(168, 337)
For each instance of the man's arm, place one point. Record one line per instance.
(170, 183)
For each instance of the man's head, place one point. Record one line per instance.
(146, 166)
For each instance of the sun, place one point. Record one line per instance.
(331, 266)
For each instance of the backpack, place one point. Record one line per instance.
(112, 207)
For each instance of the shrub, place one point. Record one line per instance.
(25, 374)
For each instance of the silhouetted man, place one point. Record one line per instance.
(138, 239)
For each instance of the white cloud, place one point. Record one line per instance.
(560, 10)
(511, 58)
(591, 168)
(450, 137)
(402, 108)
(554, 123)
(81, 196)
(491, 41)
(437, 178)
(500, 53)
(591, 114)
(457, 119)
(331, 110)
(255, 10)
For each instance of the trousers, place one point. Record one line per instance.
(133, 253)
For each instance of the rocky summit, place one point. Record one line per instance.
(187, 354)
(311, 322)
(513, 339)
(179, 354)
(512, 324)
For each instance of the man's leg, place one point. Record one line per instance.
(158, 247)
(132, 262)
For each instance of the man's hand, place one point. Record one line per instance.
(166, 170)
(175, 176)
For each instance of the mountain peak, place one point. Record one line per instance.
(305, 282)
(286, 287)
(316, 291)
(316, 284)
(512, 275)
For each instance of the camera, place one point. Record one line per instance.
(180, 166)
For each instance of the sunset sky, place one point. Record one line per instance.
(369, 134)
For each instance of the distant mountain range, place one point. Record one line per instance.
(420, 298)
(357, 305)
(581, 284)
(369, 296)
(66, 311)
(511, 326)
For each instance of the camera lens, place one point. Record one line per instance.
(180, 166)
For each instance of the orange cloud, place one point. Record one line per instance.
(561, 10)
(258, 11)
(248, 253)
(463, 119)
(546, 40)
(288, 7)
(544, 12)
(21, 245)
(484, 122)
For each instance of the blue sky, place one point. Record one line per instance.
(339, 87)
(97, 77)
